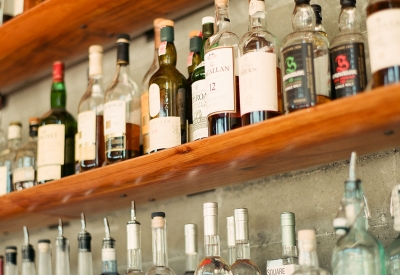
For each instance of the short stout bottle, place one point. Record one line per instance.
(190, 248)
(122, 110)
(383, 19)
(167, 96)
(231, 242)
(259, 75)
(44, 257)
(56, 134)
(348, 52)
(90, 115)
(11, 267)
(222, 74)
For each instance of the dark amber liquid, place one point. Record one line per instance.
(392, 74)
(100, 148)
(132, 145)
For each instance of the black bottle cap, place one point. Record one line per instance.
(167, 34)
(318, 13)
(44, 241)
(299, 2)
(195, 44)
(11, 254)
(123, 48)
(158, 214)
(84, 242)
(348, 3)
(28, 252)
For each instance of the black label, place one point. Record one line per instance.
(349, 75)
(115, 144)
(299, 77)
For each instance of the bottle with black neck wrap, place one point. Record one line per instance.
(108, 253)
(62, 252)
(85, 262)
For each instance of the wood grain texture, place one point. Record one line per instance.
(366, 123)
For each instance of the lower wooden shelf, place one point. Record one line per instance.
(366, 123)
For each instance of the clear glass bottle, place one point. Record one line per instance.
(199, 102)
(305, 62)
(191, 248)
(28, 256)
(133, 229)
(145, 86)
(11, 267)
(44, 257)
(56, 134)
(222, 74)
(122, 110)
(90, 115)
(62, 252)
(167, 96)
(349, 52)
(230, 235)
(85, 261)
(393, 250)
(7, 157)
(3, 135)
(108, 253)
(259, 72)
(289, 261)
(318, 19)
(159, 245)
(357, 252)
(25, 165)
(212, 264)
(383, 40)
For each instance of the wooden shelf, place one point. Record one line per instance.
(366, 123)
(64, 29)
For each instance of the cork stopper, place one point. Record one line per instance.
(157, 29)
(34, 120)
(157, 219)
(221, 3)
(306, 234)
(194, 33)
(95, 60)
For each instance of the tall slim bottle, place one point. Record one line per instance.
(259, 73)
(44, 257)
(383, 40)
(212, 262)
(199, 102)
(28, 256)
(230, 228)
(393, 250)
(11, 267)
(90, 115)
(222, 74)
(159, 245)
(348, 52)
(85, 262)
(167, 96)
(108, 253)
(56, 134)
(62, 252)
(122, 110)
(190, 248)
(133, 230)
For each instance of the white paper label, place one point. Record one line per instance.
(77, 158)
(281, 270)
(163, 48)
(87, 135)
(3, 180)
(154, 100)
(51, 144)
(199, 109)
(14, 132)
(23, 174)
(384, 39)
(220, 82)
(114, 118)
(322, 75)
(49, 172)
(258, 82)
(165, 132)
(395, 207)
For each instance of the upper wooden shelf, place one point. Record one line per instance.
(64, 29)
(366, 123)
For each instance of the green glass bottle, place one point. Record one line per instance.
(56, 134)
(167, 96)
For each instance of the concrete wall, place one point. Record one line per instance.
(313, 194)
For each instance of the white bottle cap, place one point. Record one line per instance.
(207, 19)
(95, 60)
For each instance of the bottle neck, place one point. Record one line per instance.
(289, 248)
(231, 254)
(258, 21)
(303, 18)
(212, 246)
(208, 31)
(96, 85)
(109, 260)
(308, 254)
(354, 204)
(44, 262)
(191, 261)
(223, 22)
(58, 95)
(242, 249)
(159, 246)
(169, 58)
(14, 144)
(349, 20)
(134, 259)
(62, 256)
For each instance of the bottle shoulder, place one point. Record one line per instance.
(310, 270)
(213, 265)
(318, 40)
(160, 270)
(348, 38)
(222, 39)
(245, 267)
(134, 272)
(168, 74)
(358, 239)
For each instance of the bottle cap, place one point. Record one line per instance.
(340, 225)
(95, 49)
(195, 44)
(288, 223)
(123, 38)
(207, 20)
(58, 71)
(157, 21)
(288, 219)
(241, 224)
(14, 130)
(167, 33)
(210, 214)
(348, 3)
(95, 60)
(123, 49)
(11, 254)
(44, 245)
(318, 13)
(167, 22)
(190, 238)
(157, 219)
(299, 2)
(221, 3)
(157, 29)
(230, 226)
(306, 234)
(34, 120)
(84, 241)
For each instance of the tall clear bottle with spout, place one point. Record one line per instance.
(108, 253)
(28, 256)
(133, 229)
(393, 250)
(62, 252)
(85, 262)
(44, 257)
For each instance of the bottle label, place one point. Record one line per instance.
(322, 76)
(154, 100)
(258, 82)
(348, 69)
(299, 78)
(199, 109)
(163, 48)
(281, 270)
(220, 80)
(14, 132)
(3, 180)
(115, 125)
(165, 132)
(77, 158)
(23, 174)
(145, 121)
(181, 105)
(384, 39)
(190, 59)
(87, 135)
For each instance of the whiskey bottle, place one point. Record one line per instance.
(259, 75)
(348, 52)
(7, 157)
(318, 19)
(56, 134)
(11, 267)
(25, 166)
(393, 250)
(28, 256)
(44, 257)
(122, 110)
(230, 228)
(85, 262)
(212, 264)
(62, 252)
(167, 96)
(191, 248)
(109, 253)
(222, 74)
(133, 230)
(90, 115)
(199, 102)
(243, 265)
(145, 86)
(305, 62)
(383, 39)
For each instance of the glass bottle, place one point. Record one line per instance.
(167, 96)
(1, 265)
(305, 62)
(90, 115)
(199, 102)
(243, 265)
(191, 248)
(85, 261)
(383, 39)
(56, 134)
(289, 261)
(3, 135)
(145, 86)
(7, 157)
(62, 252)
(159, 244)
(28, 256)
(318, 19)
(44, 257)
(230, 228)
(11, 267)
(259, 73)
(109, 253)
(357, 252)
(25, 166)
(222, 74)
(212, 264)
(133, 230)
(122, 110)
(393, 250)
(348, 52)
